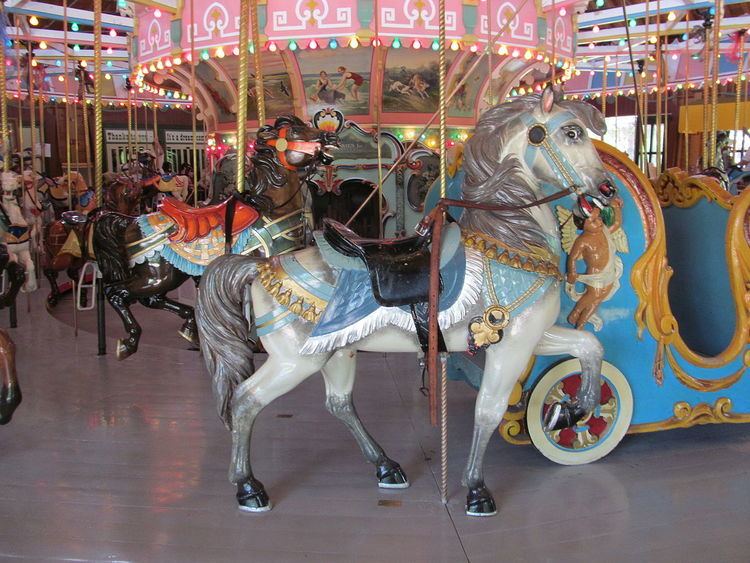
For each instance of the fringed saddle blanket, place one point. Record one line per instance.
(343, 310)
(265, 236)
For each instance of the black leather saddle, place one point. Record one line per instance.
(399, 269)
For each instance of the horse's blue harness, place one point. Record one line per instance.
(560, 165)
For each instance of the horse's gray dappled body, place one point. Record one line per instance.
(521, 151)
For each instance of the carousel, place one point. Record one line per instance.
(525, 222)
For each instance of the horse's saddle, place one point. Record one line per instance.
(196, 222)
(399, 270)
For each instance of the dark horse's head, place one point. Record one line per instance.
(121, 193)
(295, 145)
(289, 145)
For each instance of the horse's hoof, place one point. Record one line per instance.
(391, 476)
(123, 350)
(479, 502)
(8, 404)
(252, 496)
(563, 415)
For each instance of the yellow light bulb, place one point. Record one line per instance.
(33, 20)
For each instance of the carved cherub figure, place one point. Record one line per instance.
(597, 246)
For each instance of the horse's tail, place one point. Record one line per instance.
(109, 246)
(223, 298)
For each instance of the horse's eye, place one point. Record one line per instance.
(574, 133)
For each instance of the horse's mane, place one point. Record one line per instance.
(495, 174)
(266, 171)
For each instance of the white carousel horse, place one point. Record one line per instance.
(314, 309)
(19, 233)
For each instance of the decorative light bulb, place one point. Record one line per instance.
(157, 13)
(42, 44)
(74, 26)
(595, 29)
(396, 43)
(671, 16)
(84, 64)
(33, 20)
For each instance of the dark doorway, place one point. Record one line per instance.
(342, 207)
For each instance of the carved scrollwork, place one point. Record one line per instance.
(686, 415)
(676, 187)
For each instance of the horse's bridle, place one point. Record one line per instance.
(282, 145)
(538, 136)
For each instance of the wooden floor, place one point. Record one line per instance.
(128, 461)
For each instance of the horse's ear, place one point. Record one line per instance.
(548, 99)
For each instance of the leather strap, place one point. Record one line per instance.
(228, 220)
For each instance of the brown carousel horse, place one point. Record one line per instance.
(144, 258)
(68, 238)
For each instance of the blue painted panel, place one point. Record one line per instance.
(699, 292)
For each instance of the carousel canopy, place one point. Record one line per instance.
(376, 61)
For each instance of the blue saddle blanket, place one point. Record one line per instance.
(352, 299)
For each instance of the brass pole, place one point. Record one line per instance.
(4, 101)
(85, 109)
(705, 136)
(738, 85)
(379, 118)
(42, 139)
(98, 132)
(66, 73)
(32, 108)
(260, 95)
(443, 184)
(18, 90)
(715, 77)
(242, 96)
(687, 84)
(658, 90)
(605, 79)
(193, 63)
(130, 125)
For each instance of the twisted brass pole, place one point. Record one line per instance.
(443, 187)
(260, 95)
(4, 101)
(193, 64)
(705, 134)
(66, 74)
(98, 130)
(715, 77)
(242, 97)
(738, 85)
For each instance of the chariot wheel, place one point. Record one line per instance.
(594, 436)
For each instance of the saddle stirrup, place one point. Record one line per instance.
(82, 285)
